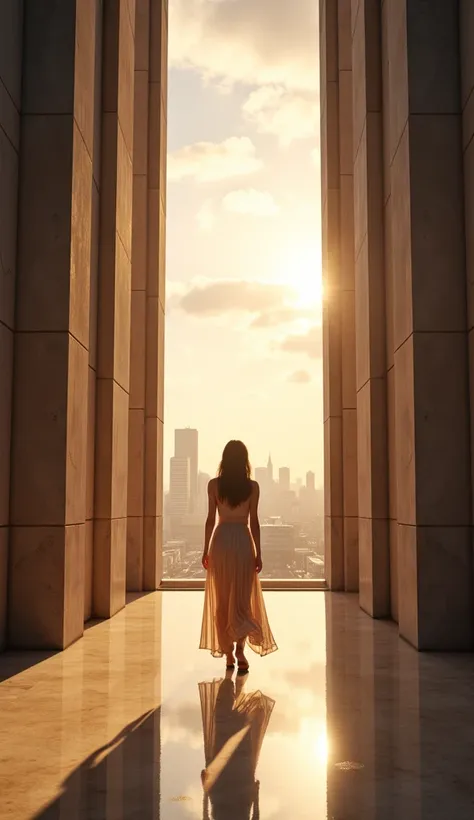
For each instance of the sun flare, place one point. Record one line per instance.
(301, 270)
(315, 739)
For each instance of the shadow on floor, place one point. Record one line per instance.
(130, 599)
(14, 662)
(120, 779)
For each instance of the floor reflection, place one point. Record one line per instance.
(292, 756)
(344, 722)
(234, 726)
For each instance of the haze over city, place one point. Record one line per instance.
(291, 515)
(243, 330)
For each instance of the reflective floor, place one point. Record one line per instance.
(345, 722)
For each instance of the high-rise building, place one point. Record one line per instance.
(203, 481)
(310, 480)
(186, 446)
(261, 475)
(270, 470)
(278, 546)
(180, 487)
(284, 478)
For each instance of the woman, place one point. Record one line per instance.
(234, 610)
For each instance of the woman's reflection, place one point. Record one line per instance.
(234, 726)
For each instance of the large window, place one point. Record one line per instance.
(244, 292)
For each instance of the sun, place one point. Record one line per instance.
(301, 270)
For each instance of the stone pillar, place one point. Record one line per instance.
(48, 478)
(155, 295)
(136, 430)
(92, 372)
(389, 337)
(467, 104)
(333, 484)
(374, 569)
(347, 304)
(11, 14)
(340, 432)
(430, 326)
(113, 363)
(148, 300)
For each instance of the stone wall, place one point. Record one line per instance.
(82, 210)
(410, 122)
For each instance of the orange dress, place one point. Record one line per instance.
(234, 608)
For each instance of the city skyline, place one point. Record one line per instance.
(290, 513)
(178, 451)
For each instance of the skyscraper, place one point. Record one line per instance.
(180, 487)
(270, 470)
(186, 446)
(261, 476)
(284, 478)
(310, 480)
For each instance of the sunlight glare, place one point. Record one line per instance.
(314, 737)
(301, 270)
(321, 748)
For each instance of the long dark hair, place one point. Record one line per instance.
(233, 483)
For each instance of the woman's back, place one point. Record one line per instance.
(239, 514)
(227, 513)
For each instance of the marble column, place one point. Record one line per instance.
(430, 326)
(11, 22)
(155, 295)
(340, 415)
(114, 296)
(136, 429)
(145, 472)
(96, 103)
(48, 458)
(347, 302)
(374, 565)
(389, 322)
(467, 104)
(332, 364)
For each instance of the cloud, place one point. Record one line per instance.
(299, 377)
(255, 42)
(286, 114)
(226, 296)
(213, 161)
(205, 216)
(309, 343)
(250, 201)
(281, 316)
(268, 305)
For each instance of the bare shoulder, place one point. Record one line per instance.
(212, 486)
(255, 488)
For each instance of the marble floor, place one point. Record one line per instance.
(345, 722)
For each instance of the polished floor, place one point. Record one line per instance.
(344, 722)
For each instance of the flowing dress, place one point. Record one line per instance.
(234, 608)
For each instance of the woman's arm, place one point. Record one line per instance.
(210, 521)
(255, 524)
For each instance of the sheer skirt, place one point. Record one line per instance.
(234, 608)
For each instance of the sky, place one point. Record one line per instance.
(243, 348)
